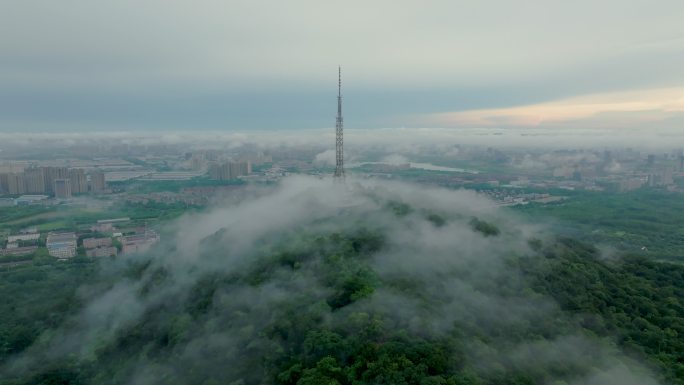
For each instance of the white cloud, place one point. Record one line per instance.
(325, 158)
(236, 64)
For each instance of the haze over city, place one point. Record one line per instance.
(341, 193)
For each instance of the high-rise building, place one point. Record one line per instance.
(667, 176)
(79, 181)
(34, 180)
(50, 174)
(41, 180)
(15, 184)
(229, 170)
(97, 182)
(62, 188)
(4, 184)
(12, 167)
(239, 168)
(219, 171)
(197, 161)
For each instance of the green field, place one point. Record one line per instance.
(14, 214)
(70, 218)
(645, 222)
(145, 187)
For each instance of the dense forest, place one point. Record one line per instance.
(387, 289)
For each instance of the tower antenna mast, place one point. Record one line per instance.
(339, 143)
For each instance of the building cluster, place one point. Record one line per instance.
(138, 240)
(202, 160)
(513, 197)
(21, 244)
(65, 245)
(661, 178)
(229, 170)
(61, 182)
(192, 196)
(617, 170)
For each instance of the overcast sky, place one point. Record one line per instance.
(73, 65)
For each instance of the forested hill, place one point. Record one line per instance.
(397, 286)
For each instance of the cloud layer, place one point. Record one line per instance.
(80, 65)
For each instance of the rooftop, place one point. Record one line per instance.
(33, 197)
(61, 237)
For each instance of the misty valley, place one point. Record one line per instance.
(377, 282)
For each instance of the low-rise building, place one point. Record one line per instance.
(139, 243)
(23, 237)
(113, 220)
(26, 200)
(102, 252)
(92, 243)
(61, 245)
(19, 251)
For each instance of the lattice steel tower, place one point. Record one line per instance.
(339, 144)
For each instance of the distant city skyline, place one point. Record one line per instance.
(76, 65)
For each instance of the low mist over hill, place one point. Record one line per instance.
(365, 283)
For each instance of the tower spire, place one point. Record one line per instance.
(339, 145)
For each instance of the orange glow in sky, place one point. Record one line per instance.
(642, 106)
